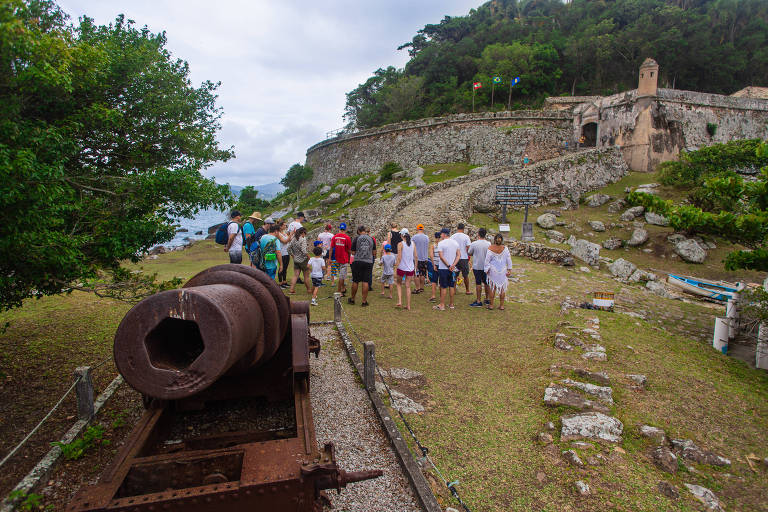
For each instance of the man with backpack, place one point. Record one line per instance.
(234, 245)
(267, 257)
(249, 230)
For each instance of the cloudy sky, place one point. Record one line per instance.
(284, 65)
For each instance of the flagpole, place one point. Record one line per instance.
(473, 98)
(493, 86)
(509, 101)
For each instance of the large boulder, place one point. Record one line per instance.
(555, 235)
(591, 425)
(596, 200)
(417, 182)
(612, 244)
(656, 219)
(586, 251)
(639, 237)
(546, 221)
(658, 288)
(556, 395)
(632, 213)
(617, 206)
(622, 268)
(665, 459)
(707, 497)
(690, 251)
(325, 189)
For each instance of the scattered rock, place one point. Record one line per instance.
(484, 207)
(599, 377)
(438, 172)
(541, 477)
(632, 213)
(603, 393)
(416, 172)
(586, 251)
(612, 244)
(668, 490)
(622, 268)
(596, 200)
(573, 458)
(675, 238)
(591, 425)
(639, 237)
(555, 235)
(399, 175)
(417, 182)
(656, 219)
(160, 249)
(689, 451)
(596, 225)
(649, 185)
(325, 189)
(638, 381)
(705, 496)
(654, 433)
(332, 198)
(642, 275)
(365, 188)
(546, 221)
(582, 488)
(581, 445)
(690, 251)
(549, 426)
(665, 459)
(182, 230)
(617, 206)
(561, 343)
(586, 270)
(400, 401)
(198, 232)
(556, 395)
(346, 203)
(545, 438)
(403, 374)
(658, 288)
(594, 356)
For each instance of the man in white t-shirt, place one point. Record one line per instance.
(449, 253)
(463, 240)
(477, 250)
(325, 237)
(235, 241)
(296, 223)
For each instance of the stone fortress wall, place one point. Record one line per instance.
(492, 139)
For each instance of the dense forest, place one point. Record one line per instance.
(583, 47)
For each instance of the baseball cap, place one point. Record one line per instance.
(300, 214)
(404, 231)
(419, 226)
(269, 220)
(437, 234)
(446, 231)
(387, 247)
(317, 242)
(343, 226)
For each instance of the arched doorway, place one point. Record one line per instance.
(589, 132)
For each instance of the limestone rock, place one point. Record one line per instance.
(545, 438)
(638, 381)
(586, 251)
(416, 172)
(596, 200)
(586, 270)
(656, 219)
(622, 268)
(594, 356)
(632, 213)
(654, 433)
(665, 459)
(573, 458)
(582, 488)
(555, 235)
(603, 393)
(417, 182)
(325, 189)
(668, 490)
(675, 238)
(639, 237)
(658, 288)
(365, 187)
(617, 206)
(612, 244)
(556, 395)
(591, 425)
(399, 175)
(403, 374)
(690, 251)
(400, 401)
(549, 426)
(705, 496)
(546, 221)
(332, 198)
(599, 377)
(346, 203)
(689, 451)
(561, 343)
(642, 275)
(596, 225)
(581, 445)
(484, 207)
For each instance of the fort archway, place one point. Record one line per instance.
(589, 132)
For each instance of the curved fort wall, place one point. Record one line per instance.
(492, 139)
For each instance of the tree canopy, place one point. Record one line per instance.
(296, 176)
(102, 140)
(577, 48)
(250, 201)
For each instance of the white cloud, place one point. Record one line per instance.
(284, 66)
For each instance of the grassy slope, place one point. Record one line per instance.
(485, 376)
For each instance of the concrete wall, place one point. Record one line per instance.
(482, 139)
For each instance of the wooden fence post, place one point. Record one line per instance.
(84, 390)
(337, 307)
(369, 365)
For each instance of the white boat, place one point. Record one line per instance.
(715, 290)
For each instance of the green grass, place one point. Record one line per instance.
(485, 376)
(453, 170)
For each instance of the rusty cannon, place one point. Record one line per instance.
(223, 368)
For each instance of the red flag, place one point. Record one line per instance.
(477, 85)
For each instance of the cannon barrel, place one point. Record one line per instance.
(224, 321)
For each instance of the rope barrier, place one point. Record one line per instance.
(423, 449)
(23, 441)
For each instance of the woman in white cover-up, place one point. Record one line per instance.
(498, 266)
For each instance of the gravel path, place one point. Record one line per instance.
(343, 415)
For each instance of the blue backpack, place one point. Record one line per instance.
(222, 236)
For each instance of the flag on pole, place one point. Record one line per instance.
(477, 85)
(516, 80)
(497, 79)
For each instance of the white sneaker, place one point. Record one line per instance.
(314, 302)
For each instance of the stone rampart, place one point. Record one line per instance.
(491, 139)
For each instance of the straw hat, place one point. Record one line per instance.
(255, 215)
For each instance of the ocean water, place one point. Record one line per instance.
(201, 222)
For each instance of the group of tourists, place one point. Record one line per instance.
(409, 262)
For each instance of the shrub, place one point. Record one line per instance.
(695, 167)
(711, 129)
(389, 169)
